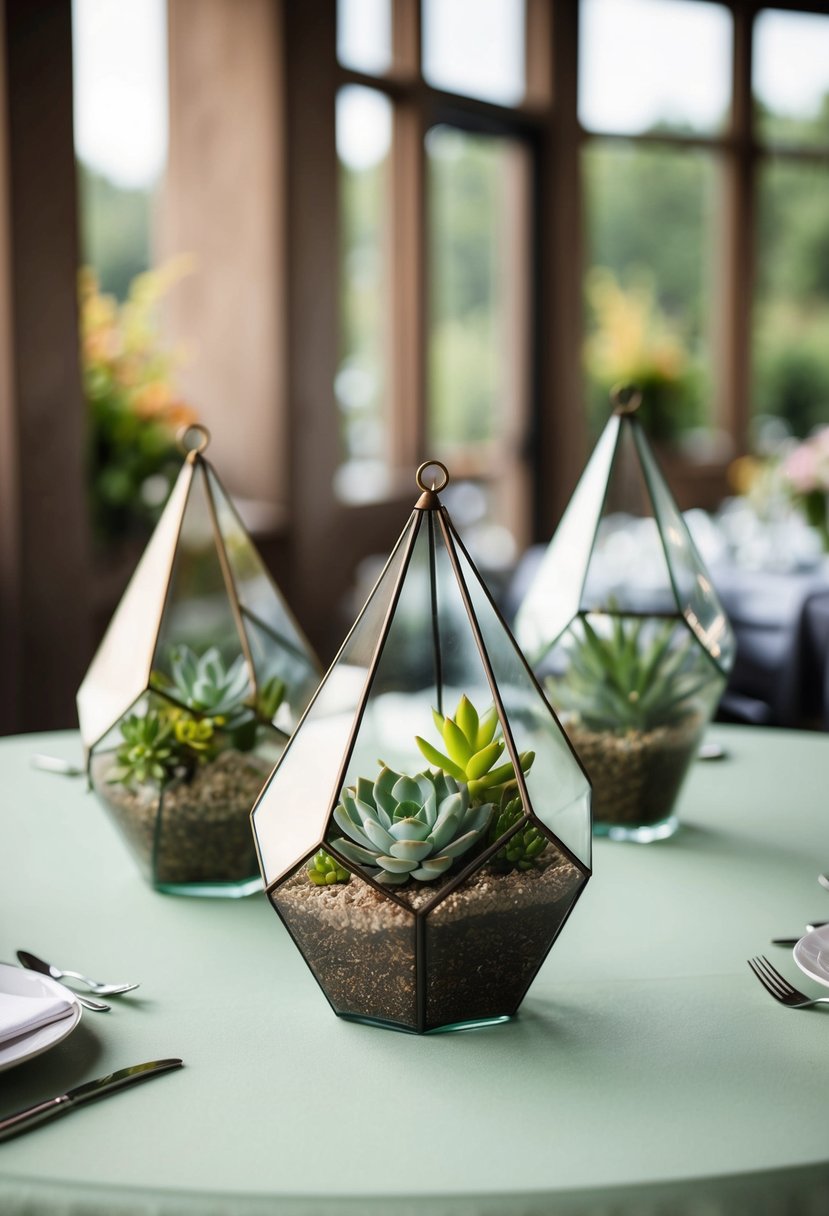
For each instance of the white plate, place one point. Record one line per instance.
(20, 982)
(812, 954)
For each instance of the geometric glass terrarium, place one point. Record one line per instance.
(195, 688)
(625, 631)
(426, 832)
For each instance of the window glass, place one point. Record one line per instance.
(476, 273)
(120, 115)
(364, 125)
(791, 77)
(791, 315)
(475, 47)
(650, 234)
(364, 34)
(654, 64)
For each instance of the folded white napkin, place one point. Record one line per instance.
(21, 1015)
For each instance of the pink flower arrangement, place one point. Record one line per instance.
(806, 468)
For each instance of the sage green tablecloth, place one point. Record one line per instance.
(647, 1073)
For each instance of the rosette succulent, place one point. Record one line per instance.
(205, 685)
(472, 749)
(524, 847)
(624, 681)
(324, 870)
(146, 752)
(400, 827)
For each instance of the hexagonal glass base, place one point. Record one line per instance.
(475, 1024)
(646, 834)
(213, 890)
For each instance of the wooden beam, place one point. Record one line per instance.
(45, 634)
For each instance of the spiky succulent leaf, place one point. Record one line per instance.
(622, 681)
(472, 749)
(405, 827)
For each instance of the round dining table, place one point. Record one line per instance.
(648, 1072)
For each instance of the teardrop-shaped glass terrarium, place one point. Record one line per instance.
(189, 701)
(626, 633)
(427, 830)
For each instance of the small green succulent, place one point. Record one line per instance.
(269, 697)
(324, 870)
(622, 682)
(523, 849)
(146, 752)
(472, 749)
(400, 827)
(205, 685)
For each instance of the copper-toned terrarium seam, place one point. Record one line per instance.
(435, 623)
(227, 575)
(450, 536)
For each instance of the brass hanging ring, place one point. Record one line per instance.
(432, 464)
(184, 439)
(625, 398)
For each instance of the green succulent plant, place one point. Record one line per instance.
(472, 749)
(522, 850)
(400, 827)
(269, 697)
(324, 870)
(625, 681)
(205, 685)
(146, 752)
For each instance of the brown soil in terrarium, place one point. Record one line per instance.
(637, 776)
(481, 945)
(202, 833)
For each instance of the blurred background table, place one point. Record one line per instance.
(647, 1072)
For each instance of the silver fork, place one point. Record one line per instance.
(780, 988)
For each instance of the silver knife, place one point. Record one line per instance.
(113, 1081)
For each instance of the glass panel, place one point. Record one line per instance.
(395, 775)
(364, 35)
(791, 77)
(291, 815)
(485, 941)
(279, 649)
(791, 312)
(364, 124)
(478, 279)
(197, 612)
(475, 47)
(557, 787)
(120, 118)
(648, 65)
(651, 229)
(180, 787)
(635, 694)
(692, 586)
(359, 944)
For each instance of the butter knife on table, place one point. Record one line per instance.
(32, 1116)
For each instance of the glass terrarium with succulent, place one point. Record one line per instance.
(626, 632)
(426, 832)
(193, 693)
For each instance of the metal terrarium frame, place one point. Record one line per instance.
(122, 668)
(430, 513)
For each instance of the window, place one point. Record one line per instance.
(790, 331)
(435, 164)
